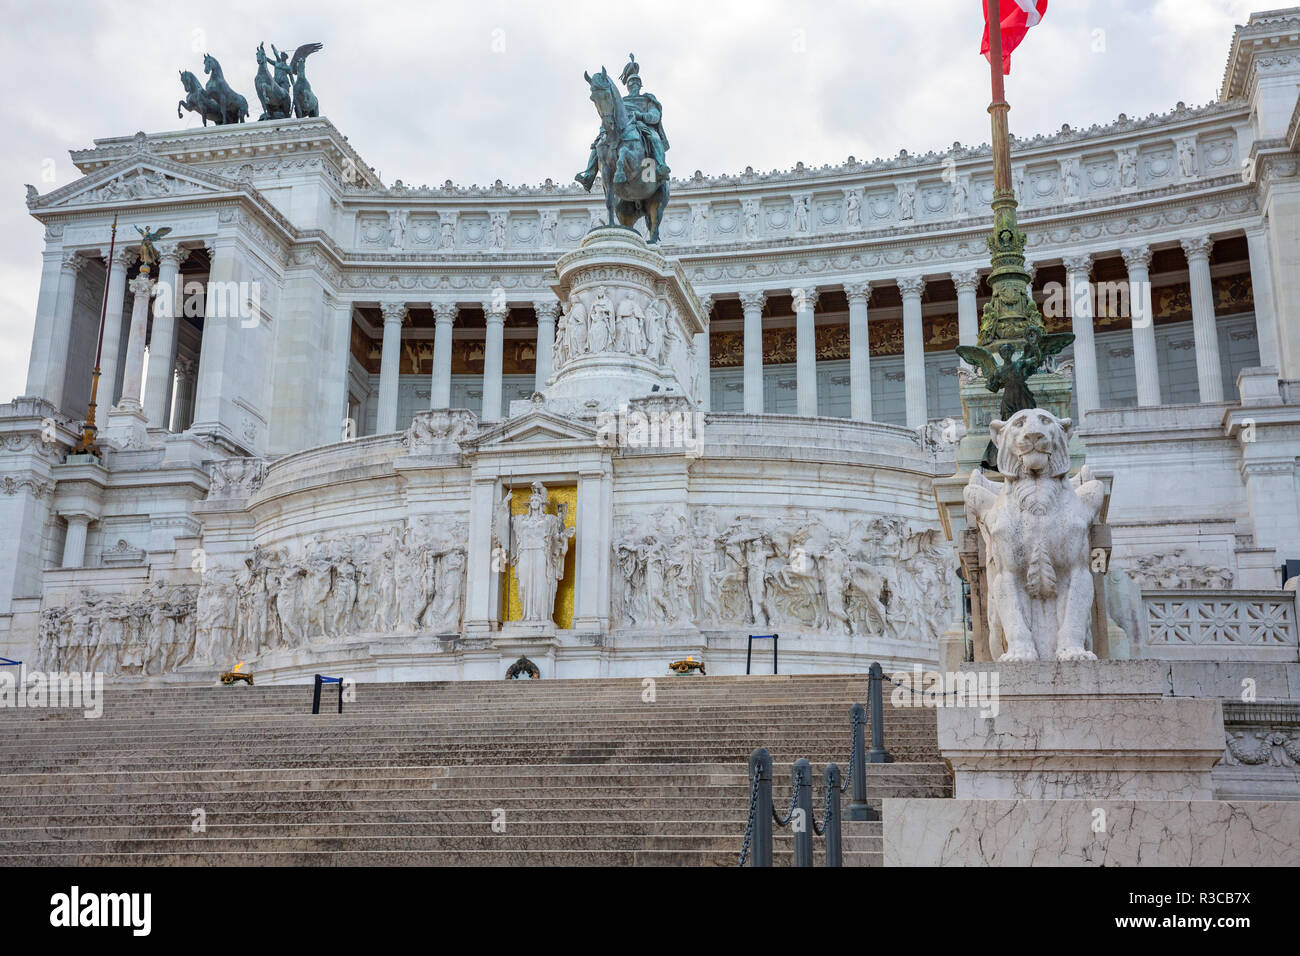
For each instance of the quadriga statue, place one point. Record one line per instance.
(1035, 530)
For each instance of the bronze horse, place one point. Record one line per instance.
(627, 167)
(197, 100)
(233, 107)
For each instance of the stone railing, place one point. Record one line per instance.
(1225, 625)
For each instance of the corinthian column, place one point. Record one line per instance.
(122, 260)
(162, 342)
(1078, 270)
(859, 294)
(968, 323)
(1205, 333)
(444, 316)
(1145, 365)
(61, 330)
(493, 351)
(704, 367)
(805, 303)
(546, 311)
(751, 303)
(389, 366)
(912, 287)
(133, 373)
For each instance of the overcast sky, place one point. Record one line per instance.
(492, 89)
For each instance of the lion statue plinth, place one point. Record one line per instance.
(1035, 529)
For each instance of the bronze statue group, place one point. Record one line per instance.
(281, 85)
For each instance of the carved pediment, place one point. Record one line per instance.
(535, 427)
(132, 180)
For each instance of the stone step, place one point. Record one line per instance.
(586, 772)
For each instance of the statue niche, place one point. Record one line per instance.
(538, 543)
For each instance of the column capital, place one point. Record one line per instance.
(858, 292)
(967, 280)
(73, 262)
(805, 297)
(1197, 247)
(393, 312)
(1136, 257)
(172, 252)
(1081, 262)
(911, 286)
(547, 309)
(494, 313)
(753, 299)
(706, 303)
(123, 257)
(1031, 268)
(444, 312)
(141, 285)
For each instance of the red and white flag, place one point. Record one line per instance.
(1017, 17)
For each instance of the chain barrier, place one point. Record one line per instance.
(794, 800)
(915, 692)
(753, 814)
(827, 816)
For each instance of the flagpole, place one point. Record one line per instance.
(999, 108)
(1010, 309)
(86, 446)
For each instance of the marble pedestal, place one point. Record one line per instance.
(127, 426)
(629, 325)
(1082, 730)
(536, 640)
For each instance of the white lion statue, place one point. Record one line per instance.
(1035, 529)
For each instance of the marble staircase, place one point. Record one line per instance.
(577, 772)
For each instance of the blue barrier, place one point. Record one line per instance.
(749, 654)
(315, 700)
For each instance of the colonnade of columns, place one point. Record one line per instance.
(1079, 303)
(444, 315)
(63, 269)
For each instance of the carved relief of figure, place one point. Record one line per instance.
(577, 327)
(447, 233)
(1128, 168)
(1187, 158)
(445, 610)
(397, 229)
(960, 195)
(548, 229)
(853, 209)
(600, 324)
(343, 596)
(629, 335)
(655, 320)
(751, 218)
(906, 202)
(498, 230)
(1018, 184)
(700, 223)
(801, 212)
(560, 353)
(1069, 179)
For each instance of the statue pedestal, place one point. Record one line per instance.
(535, 640)
(1082, 730)
(629, 325)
